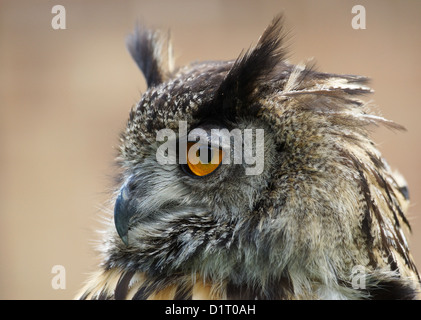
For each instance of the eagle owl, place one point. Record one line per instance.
(324, 218)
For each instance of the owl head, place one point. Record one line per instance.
(256, 173)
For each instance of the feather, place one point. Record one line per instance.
(251, 70)
(152, 51)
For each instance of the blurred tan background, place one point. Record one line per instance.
(65, 95)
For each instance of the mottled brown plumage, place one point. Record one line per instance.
(325, 205)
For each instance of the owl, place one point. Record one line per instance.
(280, 193)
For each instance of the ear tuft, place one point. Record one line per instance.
(253, 68)
(152, 51)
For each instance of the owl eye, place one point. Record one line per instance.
(202, 159)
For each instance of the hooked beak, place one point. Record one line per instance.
(122, 214)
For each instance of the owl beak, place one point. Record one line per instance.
(122, 214)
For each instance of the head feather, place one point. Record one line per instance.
(152, 51)
(252, 69)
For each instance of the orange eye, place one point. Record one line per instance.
(203, 159)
